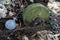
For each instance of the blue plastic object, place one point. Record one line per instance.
(10, 24)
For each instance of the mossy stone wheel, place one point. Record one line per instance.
(35, 10)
